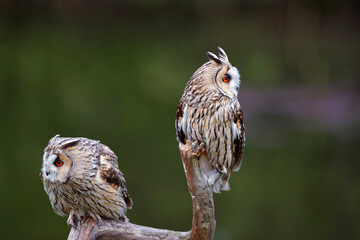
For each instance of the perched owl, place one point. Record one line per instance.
(209, 116)
(82, 177)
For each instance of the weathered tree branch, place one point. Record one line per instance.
(203, 223)
(111, 229)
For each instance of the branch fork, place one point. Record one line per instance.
(203, 223)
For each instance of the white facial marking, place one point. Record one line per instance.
(235, 80)
(52, 158)
(49, 170)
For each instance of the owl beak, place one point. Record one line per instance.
(47, 173)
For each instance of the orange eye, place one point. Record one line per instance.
(225, 79)
(59, 163)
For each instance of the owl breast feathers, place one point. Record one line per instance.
(82, 177)
(209, 116)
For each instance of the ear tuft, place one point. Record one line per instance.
(213, 58)
(222, 54)
(70, 144)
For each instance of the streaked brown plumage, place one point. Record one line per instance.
(210, 117)
(82, 177)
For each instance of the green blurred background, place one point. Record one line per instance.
(115, 70)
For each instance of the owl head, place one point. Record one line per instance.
(223, 74)
(214, 78)
(63, 157)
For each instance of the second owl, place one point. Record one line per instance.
(209, 117)
(82, 177)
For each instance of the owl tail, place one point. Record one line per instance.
(217, 176)
(217, 187)
(225, 186)
(222, 184)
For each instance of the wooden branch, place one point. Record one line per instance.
(203, 223)
(112, 229)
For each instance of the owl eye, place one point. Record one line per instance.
(58, 162)
(226, 79)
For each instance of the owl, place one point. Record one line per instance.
(209, 116)
(82, 178)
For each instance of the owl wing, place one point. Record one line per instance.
(239, 139)
(180, 122)
(110, 173)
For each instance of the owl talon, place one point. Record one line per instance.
(202, 147)
(96, 218)
(74, 219)
(125, 219)
(197, 149)
(193, 146)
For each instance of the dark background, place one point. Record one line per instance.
(115, 70)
